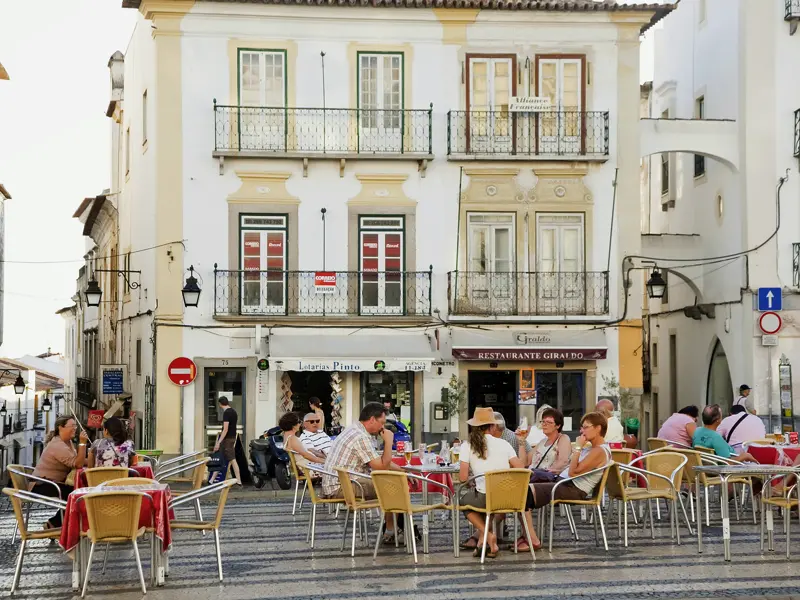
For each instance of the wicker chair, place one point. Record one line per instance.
(786, 503)
(656, 443)
(198, 477)
(21, 476)
(299, 476)
(354, 504)
(127, 481)
(506, 493)
(114, 519)
(98, 475)
(223, 487)
(318, 501)
(17, 497)
(394, 498)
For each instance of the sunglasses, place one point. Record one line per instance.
(317, 421)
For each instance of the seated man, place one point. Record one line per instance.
(313, 438)
(741, 427)
(615, 432)
(353, 450)
(708, 437)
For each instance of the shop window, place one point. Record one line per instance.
(395, 387)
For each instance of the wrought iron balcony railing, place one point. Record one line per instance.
(796, 264)
(318, 294)
(320, 131)
(472, 293)
(544, 134)
(792, 10)
(797, 132)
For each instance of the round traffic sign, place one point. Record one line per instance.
(182, 371)
(770, 322)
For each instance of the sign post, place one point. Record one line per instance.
(181, 372)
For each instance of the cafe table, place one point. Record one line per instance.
(778, 454)
(430, 471)
(726, 472)
(154, 513)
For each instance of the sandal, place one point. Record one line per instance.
(466, 544)
(521, 545)
(489, 554)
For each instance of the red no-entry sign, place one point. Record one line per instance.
(182, 371)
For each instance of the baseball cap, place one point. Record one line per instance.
(744, 387)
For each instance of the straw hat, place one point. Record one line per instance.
(482, 416)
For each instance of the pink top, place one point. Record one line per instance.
(674, 429)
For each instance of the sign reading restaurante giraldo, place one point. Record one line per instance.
(531, 346)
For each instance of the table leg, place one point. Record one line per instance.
(76, 568)
(767, 490)
(726, 521)
(699, 514)
(425, 517)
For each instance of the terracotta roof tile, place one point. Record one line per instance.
(659, 10)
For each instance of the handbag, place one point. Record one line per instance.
(543, 476)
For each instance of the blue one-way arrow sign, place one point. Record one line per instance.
(770, 299)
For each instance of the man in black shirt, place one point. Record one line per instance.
(227, 438)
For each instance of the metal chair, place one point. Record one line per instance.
(98, 475)
(318, 500)
(594, 501)
(354, 505)
(223, 487)
(17, 497)
(394, 498)
(299, 476)
(21, 476)
(113, 519)
(506, 493)
(198, 469)
(786, 503)
(172, 463)
(655, 443)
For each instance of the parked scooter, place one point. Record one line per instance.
(400, 432)
(268, 460)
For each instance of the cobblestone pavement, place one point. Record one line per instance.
(265, 556)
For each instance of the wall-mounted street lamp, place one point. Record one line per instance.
(93, 292)
(656, 286)
(47, 406)
(191, 290)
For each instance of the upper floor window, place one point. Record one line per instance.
(699, 159)
(560, 242)
(144, 117)
(128, 151)
(382, 264)
(263, 263)
(380, 90)
(262, 78)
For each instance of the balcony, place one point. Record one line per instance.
(796, 264)
(502, 135)
(333, 133)
(479, 294)
(86, 391)
(797, 132)
(322, 294)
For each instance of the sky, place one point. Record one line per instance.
(55, 150)
(55, 145)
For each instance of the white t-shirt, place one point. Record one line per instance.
(498, 454)
(615, 432)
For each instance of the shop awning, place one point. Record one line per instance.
(350, 352)
(529, 345)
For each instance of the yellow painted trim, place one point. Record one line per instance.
(491, 172)
(572, 169)
(381, 189)
(263, 187)
(630, 354)
(381, 177)
(454, 23)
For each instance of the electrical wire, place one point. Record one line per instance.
(61, 262)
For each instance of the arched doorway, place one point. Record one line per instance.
(720, 388)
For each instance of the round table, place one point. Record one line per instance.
(778, 454)
(442, 473)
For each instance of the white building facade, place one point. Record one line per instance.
(374, 235)
(712, 218)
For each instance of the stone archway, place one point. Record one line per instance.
(715, 139)
(719, 387)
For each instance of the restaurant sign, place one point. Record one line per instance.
(349, 364)
(559, 354)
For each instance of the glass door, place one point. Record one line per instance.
(380, 102)
(262, 99)
(491, 85)
(491, 262)
(560, 80)
(560, 280)
(382, 254)
(264, 256)
(231, 384)
(564, 390)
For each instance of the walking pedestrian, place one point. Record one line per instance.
(227, 437)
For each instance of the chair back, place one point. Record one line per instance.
(507, 490)
(668, 464)
(312, 492)
(623, 456)
(616, 483)
(296, 472)
(223, 499)
(16, 504)
(392, 490)
(348, 491)
(128, 481)
(704, 449)
(17, 473)
(113, 516)
(656, 443)
(199, 473)
(694, 459)
(98, 475)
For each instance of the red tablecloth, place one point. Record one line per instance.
(415, 485)
(774, 455)
(75, 518)
(142, 470)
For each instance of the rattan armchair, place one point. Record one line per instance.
(97, 475)
(21, 476)
(786, 503)
(355, 501)
(299, 476)
(317, 500)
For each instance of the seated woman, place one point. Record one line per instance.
(598, 454)
(551, 456)
(290, 425)
(114, 449)
(57, 460)
(485, 451)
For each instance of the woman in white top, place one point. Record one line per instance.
(584, 460)
(483, 452)
(552, 454)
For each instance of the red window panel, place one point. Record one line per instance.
(275, 245)
(393, 246)
(369, 245)
(252, 243)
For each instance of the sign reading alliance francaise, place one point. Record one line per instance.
(544, 354)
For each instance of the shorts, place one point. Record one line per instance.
(228, 447)
(543, 492)
(473, 498)
(368, 489)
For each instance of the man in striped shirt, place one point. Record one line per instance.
(313, 438)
